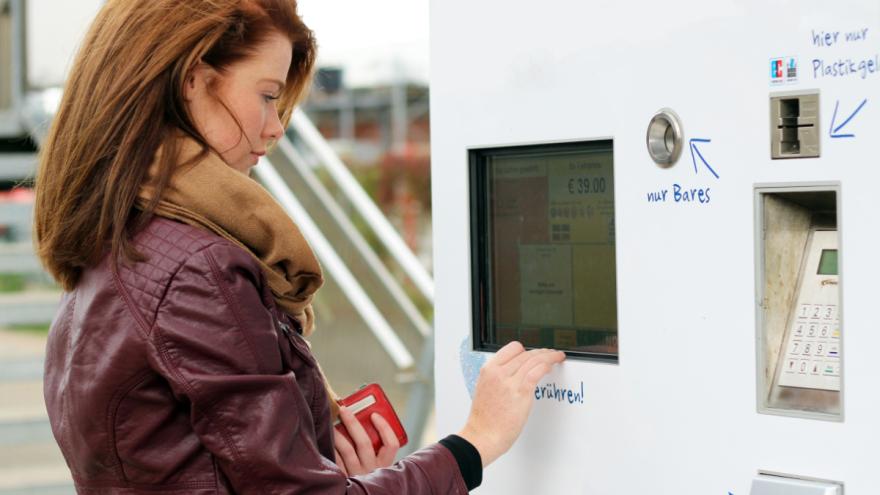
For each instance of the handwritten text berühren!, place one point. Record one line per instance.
(555, 393)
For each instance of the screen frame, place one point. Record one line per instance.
(481, 284)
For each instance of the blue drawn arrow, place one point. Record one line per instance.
(835, 130)
(695, 152)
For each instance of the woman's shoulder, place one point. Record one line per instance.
(183, 259)
(174, 239)
(170, 243)
(174, 250)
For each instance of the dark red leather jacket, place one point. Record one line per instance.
(179, 375)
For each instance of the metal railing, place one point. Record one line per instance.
(365, 206)
(399, 297)
(288, 176)
(333, 263)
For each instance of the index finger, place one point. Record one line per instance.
(517, 362)
(538, 366)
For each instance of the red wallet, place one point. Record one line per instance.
(367, 400)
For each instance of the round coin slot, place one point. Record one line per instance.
(664, 138)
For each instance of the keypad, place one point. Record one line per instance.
(812, 357)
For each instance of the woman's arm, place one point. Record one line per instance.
(218, 347)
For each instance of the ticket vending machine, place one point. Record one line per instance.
(682, 197)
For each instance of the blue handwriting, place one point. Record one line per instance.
(681, 194)
(835, 130)
(846, 67)
(551, 391)
(826, 39)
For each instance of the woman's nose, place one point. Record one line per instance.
(274, 129)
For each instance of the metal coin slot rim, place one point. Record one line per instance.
(656, 138)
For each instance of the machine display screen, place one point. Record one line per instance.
(543, 247)
(828, 262)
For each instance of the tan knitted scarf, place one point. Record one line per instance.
(209, 194)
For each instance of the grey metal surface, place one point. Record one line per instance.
(5, 55)
(25, 431)
(18, 258)
(30, 459)
(59, 489)
(10, 124)
(421, 398)
(18, 217)
(17, 166)
(13, 70)
(21, 369)
(28, 308)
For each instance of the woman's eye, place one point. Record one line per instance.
(269, 98)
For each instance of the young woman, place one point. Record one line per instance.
(177, 361)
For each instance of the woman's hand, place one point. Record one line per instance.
(359, 458)
(503, 398)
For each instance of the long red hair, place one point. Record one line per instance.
(124, 98)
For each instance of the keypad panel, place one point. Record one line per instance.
(812, 357)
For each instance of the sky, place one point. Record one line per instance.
(373, 41)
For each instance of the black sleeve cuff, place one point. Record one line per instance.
(468, 458)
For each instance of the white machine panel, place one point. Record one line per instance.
(678, 410)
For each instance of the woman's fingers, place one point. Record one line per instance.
(538, 365)
(345, 452)
(512, 366)
(507, 353)
(340, 462)
(503, 399)
(362, 444)
(390, 443)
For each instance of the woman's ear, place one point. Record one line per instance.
(197, 80)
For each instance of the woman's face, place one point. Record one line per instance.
(249, 89)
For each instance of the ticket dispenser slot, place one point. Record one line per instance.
(799, 318)
(543, 265)
(773, 484)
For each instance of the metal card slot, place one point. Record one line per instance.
(794, 122)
